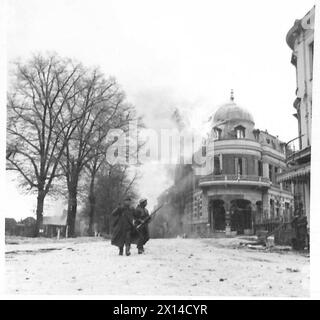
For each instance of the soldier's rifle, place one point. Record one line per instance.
(149, 218)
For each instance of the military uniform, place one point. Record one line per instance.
(140, 214)
(122, 228)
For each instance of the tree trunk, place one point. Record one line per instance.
(39, 211)
(92, 204)
(72, 211)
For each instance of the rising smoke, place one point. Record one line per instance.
(161, 109)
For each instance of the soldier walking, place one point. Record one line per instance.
(141, 214)
(122, 226)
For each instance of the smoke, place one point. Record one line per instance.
(162, 109)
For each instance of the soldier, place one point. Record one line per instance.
(141, 213)
(122, 226)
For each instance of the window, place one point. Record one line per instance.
(288, 211)
(277, 212)
(272, 208)
(204, 148)
(286, 186)
(270, 172)
(197, 206)
(240, 132)
(217, 133)
(239, 166)
(204, 151)
(260, 168)
(216, 166)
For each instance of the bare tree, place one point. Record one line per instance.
(103, 107)
(113, 183)
(39, 123)
(98, 158)
(93, 166)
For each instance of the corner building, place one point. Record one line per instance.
(239, 193)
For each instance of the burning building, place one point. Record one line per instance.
(238, 193)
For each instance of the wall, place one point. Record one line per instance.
(304, 62)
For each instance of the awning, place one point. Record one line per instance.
(294, 173)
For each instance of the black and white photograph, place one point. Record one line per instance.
(160, 149)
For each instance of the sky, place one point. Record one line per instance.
(166, 54)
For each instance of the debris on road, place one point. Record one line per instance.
(292, 270)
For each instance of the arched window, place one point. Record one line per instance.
(240, 132)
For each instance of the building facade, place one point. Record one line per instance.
(237, 193)
(240, 194)
(300, 39)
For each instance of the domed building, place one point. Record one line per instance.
(238, 192)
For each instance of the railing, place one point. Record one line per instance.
(234, 177)
(298, 154)
(294, 149)
(271, 224)
(284, 218)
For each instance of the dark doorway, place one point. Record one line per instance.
(259, 212)
(218, 215)
(241, 215)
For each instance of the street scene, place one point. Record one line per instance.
(159, 148)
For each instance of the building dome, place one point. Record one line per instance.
(231, 111)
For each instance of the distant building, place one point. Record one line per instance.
(10, 226)
(239, 193)
(300, 39)
(26, 227)
(55, 226)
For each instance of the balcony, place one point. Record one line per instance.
(245, 180)
(299, 157)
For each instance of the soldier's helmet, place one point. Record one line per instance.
(141, 201)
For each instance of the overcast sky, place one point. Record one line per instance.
(187, 54)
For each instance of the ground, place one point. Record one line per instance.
(195, 267)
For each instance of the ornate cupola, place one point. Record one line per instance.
(230, 111)
(231, 121)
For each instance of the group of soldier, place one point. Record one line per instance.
(129, 226)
